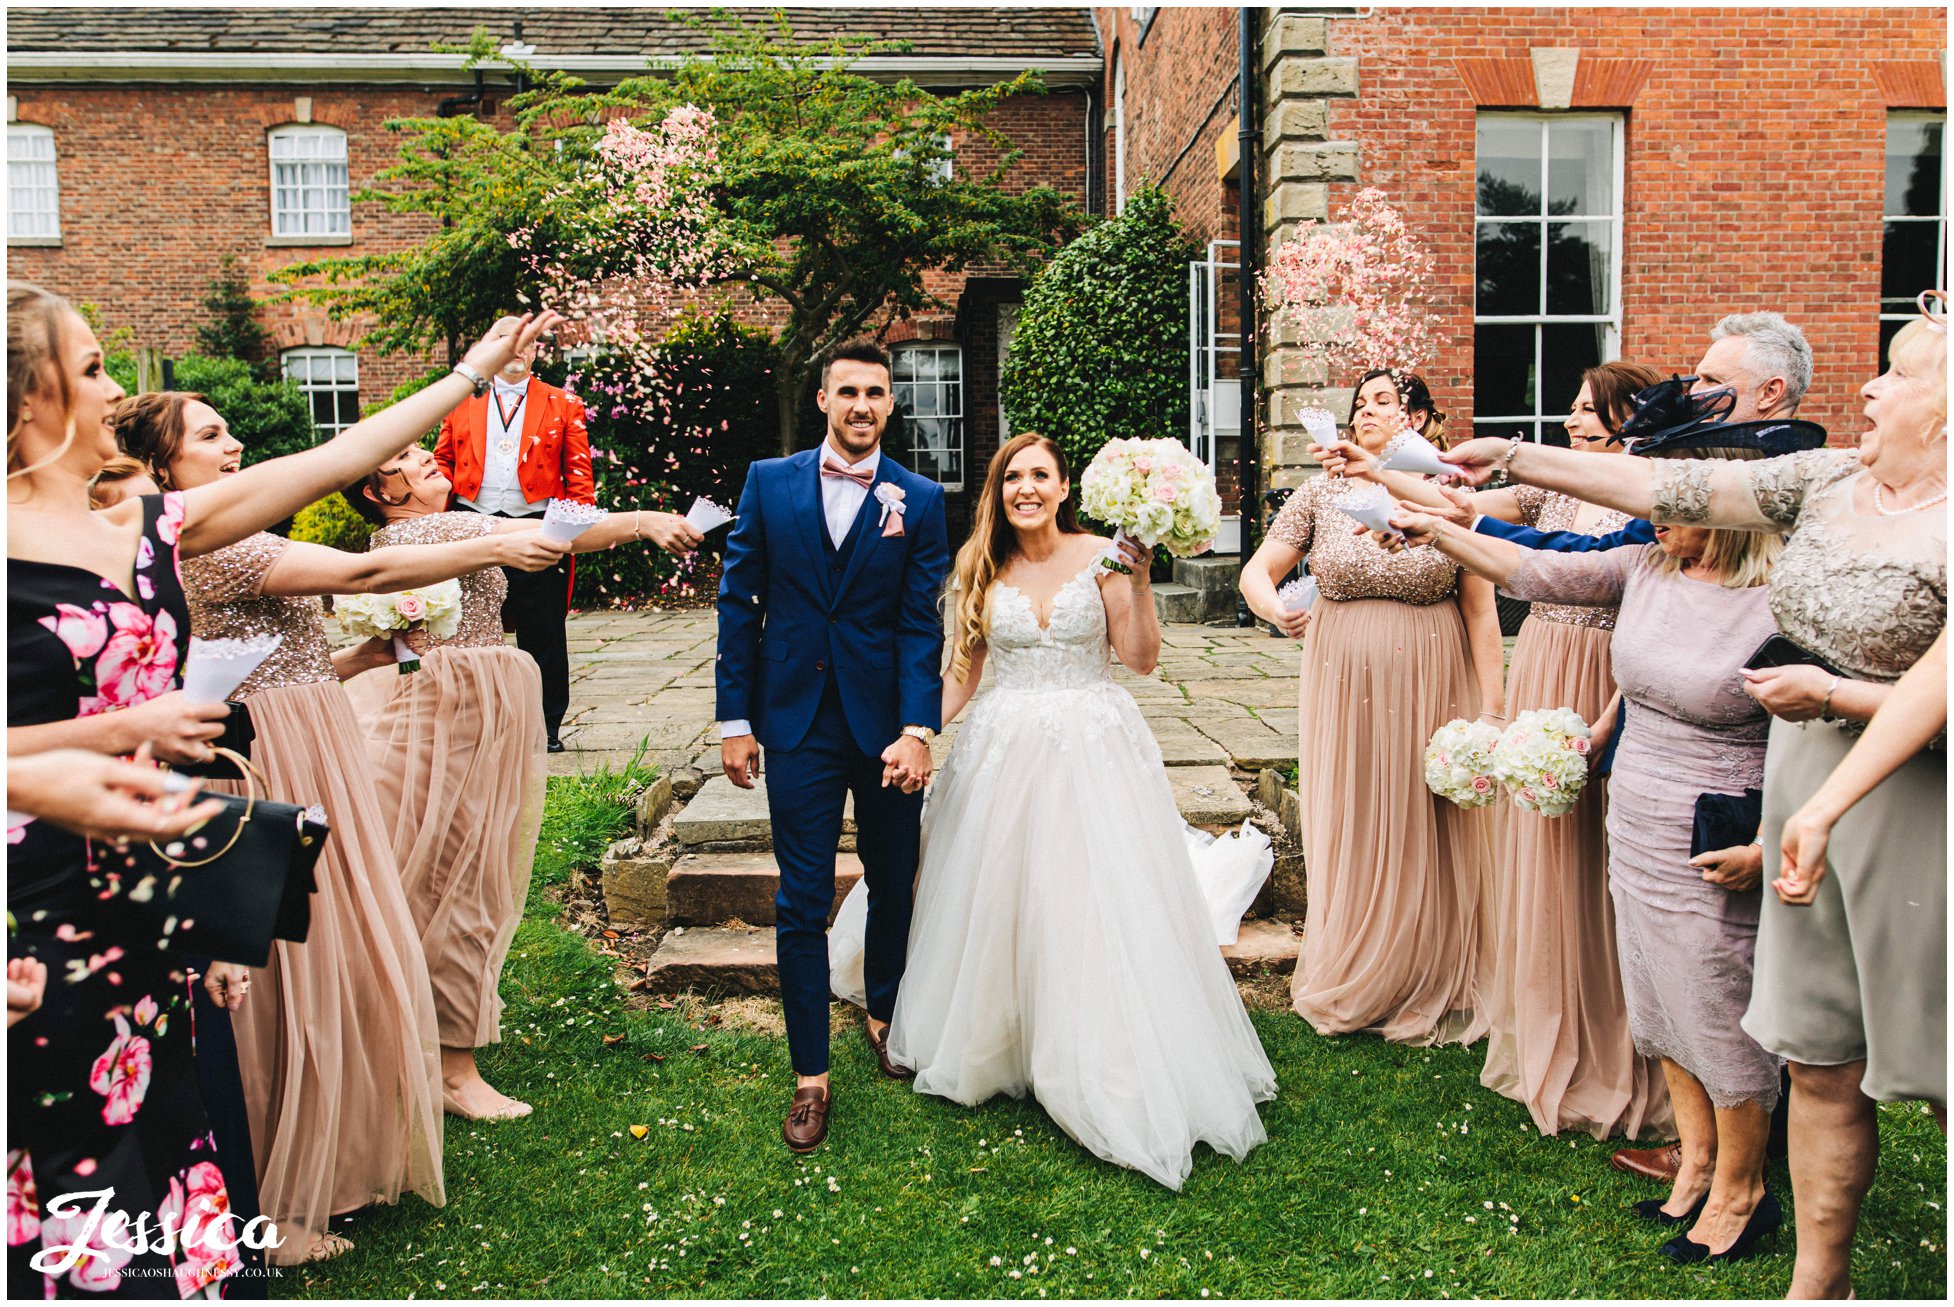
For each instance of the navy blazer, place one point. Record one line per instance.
(791, 611)
(1637, 531)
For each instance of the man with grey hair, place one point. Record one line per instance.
(1763, 359)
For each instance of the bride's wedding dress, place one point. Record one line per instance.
(1061, 944)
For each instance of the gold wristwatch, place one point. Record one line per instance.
(923, 733)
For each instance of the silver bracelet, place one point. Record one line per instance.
(1505, 461)
(1825, 709)
(466, 371)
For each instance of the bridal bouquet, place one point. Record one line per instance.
(1542, 759)
(1156, 493)
(1459, 762)
(434, 608)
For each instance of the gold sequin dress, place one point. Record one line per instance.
(336, 1043)
(1391, 934)
(1559, 1042)
(457, 755)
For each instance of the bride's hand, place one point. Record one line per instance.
(1139, 561)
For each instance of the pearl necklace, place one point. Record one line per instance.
(1879, 502)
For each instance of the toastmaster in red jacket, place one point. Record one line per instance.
(509, 453)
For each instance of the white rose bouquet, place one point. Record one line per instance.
(435, 609)
(1542, 759)
(1155, 492)
(1459, 762)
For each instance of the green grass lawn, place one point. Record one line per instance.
(1389, 1173)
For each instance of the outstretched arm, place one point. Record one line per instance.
(232, 508)
(309, 569)
(1639, 531)
(1912, 715)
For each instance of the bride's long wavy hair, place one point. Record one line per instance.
(993, 541)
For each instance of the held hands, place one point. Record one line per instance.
(1736, 870)
(739, 758)
(1795, 693)
(509, 337)
(1802, 857)
(528, 551)
(906, 764)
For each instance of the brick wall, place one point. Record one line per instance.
(159, 182)
(1755, 157)
(1179, 102)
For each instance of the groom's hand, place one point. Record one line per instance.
(907, 763)
(739, 758)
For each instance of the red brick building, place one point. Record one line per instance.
(1595, 183)
(1680, 164)
(146, 144)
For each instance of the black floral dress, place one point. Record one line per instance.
(108, 1145)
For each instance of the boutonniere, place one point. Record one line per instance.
(889, 495)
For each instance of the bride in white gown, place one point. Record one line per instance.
(1060, 944)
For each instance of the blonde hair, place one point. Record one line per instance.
(105, 487)
(993, 542)
(1921, 348)
(37, 328)
(1741, 559)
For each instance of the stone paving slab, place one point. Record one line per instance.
(1208, 796)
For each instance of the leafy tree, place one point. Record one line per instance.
(827, 197)
(269, 417)
(233, 330)
(1101, 344)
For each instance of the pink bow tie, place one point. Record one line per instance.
(863, 477)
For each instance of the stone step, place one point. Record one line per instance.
(724, 816)
(1209, 574)
(710, 889)
(1174, 602)
(1264, 947)
(717, 959)
(1208, 797)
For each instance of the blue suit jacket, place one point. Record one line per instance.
(790, 611)
(1638, 531)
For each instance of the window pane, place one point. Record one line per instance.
(1566, 351)
(1888, 330)
(950, 364)
(1508, 268)
(1913, 165)
(1580, 168)
(322, 409)
(1578, 267)
(1509, 166)
(346, 367)
(1502, 370)
(349, 407)
(1907, 267)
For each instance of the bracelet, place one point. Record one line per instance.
(466, 371)
(1825, 709)
(637, 524)
(1505, 460)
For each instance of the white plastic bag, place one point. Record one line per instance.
(1230, 871)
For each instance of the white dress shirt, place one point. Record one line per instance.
(501, 491)
(841, 502)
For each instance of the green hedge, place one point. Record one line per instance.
(268, 417)
(1100, 349)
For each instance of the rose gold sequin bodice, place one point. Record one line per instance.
(1349, 566)
(1544, 510)
(225, 604)
(481, 592)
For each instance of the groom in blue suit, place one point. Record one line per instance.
(830, 657)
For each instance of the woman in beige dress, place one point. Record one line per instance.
(457, 752)
(337, 1052)
(1559, 1041)
(1851, 971)
(1398, 646)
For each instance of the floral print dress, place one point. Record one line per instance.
(102, 1090)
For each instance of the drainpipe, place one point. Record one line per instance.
(1249, 449)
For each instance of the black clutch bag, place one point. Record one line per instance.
(229, 888)
(238, 737)
(1725, 821)
(1780, 652)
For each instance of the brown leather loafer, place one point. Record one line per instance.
(880, 1043)
(1650, 1163)
(807, 1123)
